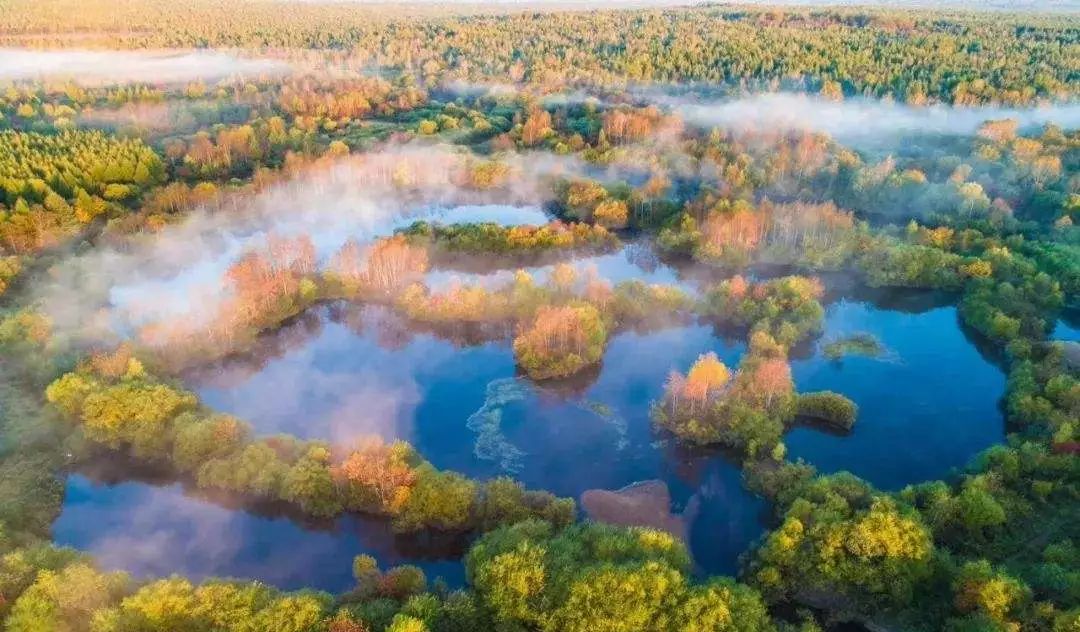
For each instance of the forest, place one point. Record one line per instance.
(436, 317)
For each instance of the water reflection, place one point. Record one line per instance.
(340, 372)
(340, 384)
(156, 531)
(352, 372)
(926, 406)
(632, 261)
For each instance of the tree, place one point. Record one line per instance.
(877, 555)
(512, 583)
(609, 578)
(611, 214)
(980, 589)
(703, 383)
(65, 600)
(721, 605)
(619, 599)
(404, 623)
(387, 266)
(257, 469)
(438, 500)
(134, 414)
(198, 440)
(561, 340)
(376, 476)
(537, 127)
(977, 510)
(310, 485)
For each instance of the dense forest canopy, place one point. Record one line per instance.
(959, 58)
(182, 180)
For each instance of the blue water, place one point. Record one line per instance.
(1066, 330)
(926, 406)
(153, 531)
(345, 375)
(634, 261)
(336, 384)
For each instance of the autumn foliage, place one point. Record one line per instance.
(383, 268)
(377, 476)
(561, 340)
(703, 383)
(747, 410)
(265, 285)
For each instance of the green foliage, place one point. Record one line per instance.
(175, 604)
(862, 344)
(832, 408)
(635, 302)
(256, 469)
(200, 439)
(748, 414)
(867, 552)
(561, 341)
(721, 604)
(55, 183)
(1043, 392)
(134, 414)
(788, 308)
(911, 265)
(999, 210)
(1006, 311)
(65, 600)
(158, 422)
(984, 594)
(310, 485)
(495, 239)
(962, 59)
(20, 568)
(441, 500)
(505, 501)
(592, 576)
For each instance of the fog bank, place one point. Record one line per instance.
(119, 67)
(179, 272)
(858, 121)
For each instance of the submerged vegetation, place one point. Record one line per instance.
(163, 212)
(860, 344)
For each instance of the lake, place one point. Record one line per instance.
(927, 405)
(153, 530)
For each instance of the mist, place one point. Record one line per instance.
(859, 121)
(108, 293)
(113, 67)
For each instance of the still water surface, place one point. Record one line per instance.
(927, 405)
